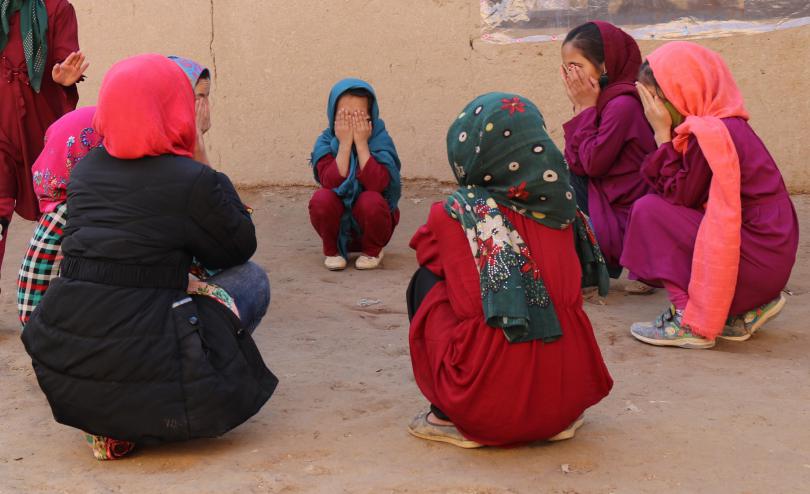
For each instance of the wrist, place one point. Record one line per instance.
(663, 137)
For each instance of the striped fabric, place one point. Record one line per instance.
(41, 262)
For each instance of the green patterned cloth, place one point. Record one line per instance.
(33, 28)
(501, 154)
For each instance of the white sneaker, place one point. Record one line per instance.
(367, 262)
(335, 263)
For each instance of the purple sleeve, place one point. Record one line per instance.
(680, 179)
(591, 147)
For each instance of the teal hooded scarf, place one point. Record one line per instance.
(382, 149)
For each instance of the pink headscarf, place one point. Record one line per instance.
(67, 141)
(143, 109)
(700, 86)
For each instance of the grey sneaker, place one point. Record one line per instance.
(742, 327)
(667, 330)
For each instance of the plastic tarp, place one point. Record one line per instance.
(510, 21)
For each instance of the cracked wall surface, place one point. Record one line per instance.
(274, 61)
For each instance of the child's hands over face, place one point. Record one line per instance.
(343, 127)
(71, 70)
(656, 113)
(362, 128)
(582, 90)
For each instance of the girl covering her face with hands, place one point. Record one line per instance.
(357, 166)
(200, 78)
(720, 233)
(608, 137)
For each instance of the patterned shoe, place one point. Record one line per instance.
(423, 429)
(107, 449)
(735, 330)
(667, 330)
(755, 319)
(742, 327)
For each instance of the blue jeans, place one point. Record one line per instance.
(250, 288)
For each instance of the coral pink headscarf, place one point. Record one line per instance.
(67, 141)
(145, 109)
(700, 86)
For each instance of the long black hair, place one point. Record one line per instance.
(588, 39)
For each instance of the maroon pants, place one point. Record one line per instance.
(371, 211)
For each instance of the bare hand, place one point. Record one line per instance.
(656, 113)
(343, 127)
(71, 70)
(203, 112)
(200, 153)
(361, 127)
(582, 90)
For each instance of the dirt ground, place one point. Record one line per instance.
(735, 419)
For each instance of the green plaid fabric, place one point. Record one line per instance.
(41, 262)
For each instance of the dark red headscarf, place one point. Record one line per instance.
(622, 62)
(146, 109)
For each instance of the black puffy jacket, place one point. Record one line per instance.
(112, 350)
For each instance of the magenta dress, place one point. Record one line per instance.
(663, 226)
(609, 151)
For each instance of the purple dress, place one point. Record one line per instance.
(609, 150)
(663, 226)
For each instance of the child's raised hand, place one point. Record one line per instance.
(343, 127)
(656, 113)
(71, 70)
(203, 112)
(583, 90)
(362, 127)
(566, 85)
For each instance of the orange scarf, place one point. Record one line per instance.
(700, 86)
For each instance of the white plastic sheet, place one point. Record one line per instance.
(511, 21)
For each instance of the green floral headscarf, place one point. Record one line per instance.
(501, 154)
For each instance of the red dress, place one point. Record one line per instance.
(497, 393)
(25, 115)
(371, 210)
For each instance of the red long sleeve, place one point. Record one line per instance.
(328, 173)
(63, 41)
(426, 245)
(373, 177)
